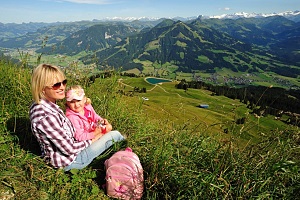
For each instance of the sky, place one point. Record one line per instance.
(25, 11)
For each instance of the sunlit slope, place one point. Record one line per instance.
(176, 107)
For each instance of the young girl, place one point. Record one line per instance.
(83, 116)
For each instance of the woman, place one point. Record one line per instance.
(54, 131)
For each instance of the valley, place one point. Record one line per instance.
(233, 52)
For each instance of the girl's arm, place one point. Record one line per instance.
(80, 133)
(94, 114)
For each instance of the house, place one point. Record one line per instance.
(203, 106)
(145, 98)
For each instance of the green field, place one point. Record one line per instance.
(168, 104)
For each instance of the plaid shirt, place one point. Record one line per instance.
(54, 132)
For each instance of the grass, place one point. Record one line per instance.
(183, 149)
(180, 107)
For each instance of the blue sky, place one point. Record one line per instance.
(18, 11)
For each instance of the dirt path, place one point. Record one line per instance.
(156, 85)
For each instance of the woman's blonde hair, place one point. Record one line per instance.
(44, 75)
(78, 87)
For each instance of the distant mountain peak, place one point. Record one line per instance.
(287, 14)
(130, 18)
(292, 15)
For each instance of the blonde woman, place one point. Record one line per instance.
(54, 131)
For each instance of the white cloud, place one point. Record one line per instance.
(226, 8)
(99, 2)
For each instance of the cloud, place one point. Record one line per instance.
(226, 8)
(98, 2)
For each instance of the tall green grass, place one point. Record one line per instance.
(179, 160)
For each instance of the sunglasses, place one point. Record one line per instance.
(57, 85)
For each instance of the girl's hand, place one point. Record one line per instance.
(105, 121)
(97, 131)
(98, 134)
(108, 125)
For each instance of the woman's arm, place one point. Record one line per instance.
(58, 130)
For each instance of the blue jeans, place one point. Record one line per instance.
(86, 156)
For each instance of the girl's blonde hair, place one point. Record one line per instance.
(44, 75)
(78, 87)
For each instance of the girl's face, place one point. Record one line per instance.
(77, 105)
(56, 91)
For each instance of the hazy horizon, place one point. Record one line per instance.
(48, 11)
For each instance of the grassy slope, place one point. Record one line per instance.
(168, 104)
(167, 132)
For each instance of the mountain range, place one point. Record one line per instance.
(291, 15)
(14, 30)
(239, 43)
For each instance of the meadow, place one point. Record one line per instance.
(220, 76)
(187, 152)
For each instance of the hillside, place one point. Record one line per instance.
(167, 103)
(12, 30)
(276, 34)
(44, 35)
(256, 49)
(175, 43)
(195, 47)
(92, 39)
(186, 151)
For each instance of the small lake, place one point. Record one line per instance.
(154, 81)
